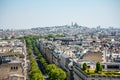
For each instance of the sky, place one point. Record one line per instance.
(24, 14)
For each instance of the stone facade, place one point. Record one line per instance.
(11, 68)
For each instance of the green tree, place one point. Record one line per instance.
(36, 76)
(84, 67)
(58, 35)
(28, 41)
(29, 51)
(51, 36)
(62, 74)
(42, 60)
(55, 73)
(50, 67)
(98, 67)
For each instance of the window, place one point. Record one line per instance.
(103, 66)
(14, 68)
(11, 68)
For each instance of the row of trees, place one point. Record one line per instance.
(97, 70)
(52, 70)
(34, 73)
(46, 37)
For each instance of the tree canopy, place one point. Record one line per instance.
(55, 73)
(98, 67)
(84, 67)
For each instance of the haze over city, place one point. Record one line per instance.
(59, 40)
(24, 14)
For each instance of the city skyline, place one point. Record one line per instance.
(24, 14)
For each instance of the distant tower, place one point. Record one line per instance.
(76, 25)
(98, 28)
(72, 24)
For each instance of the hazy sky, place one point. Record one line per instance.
(19, 14)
